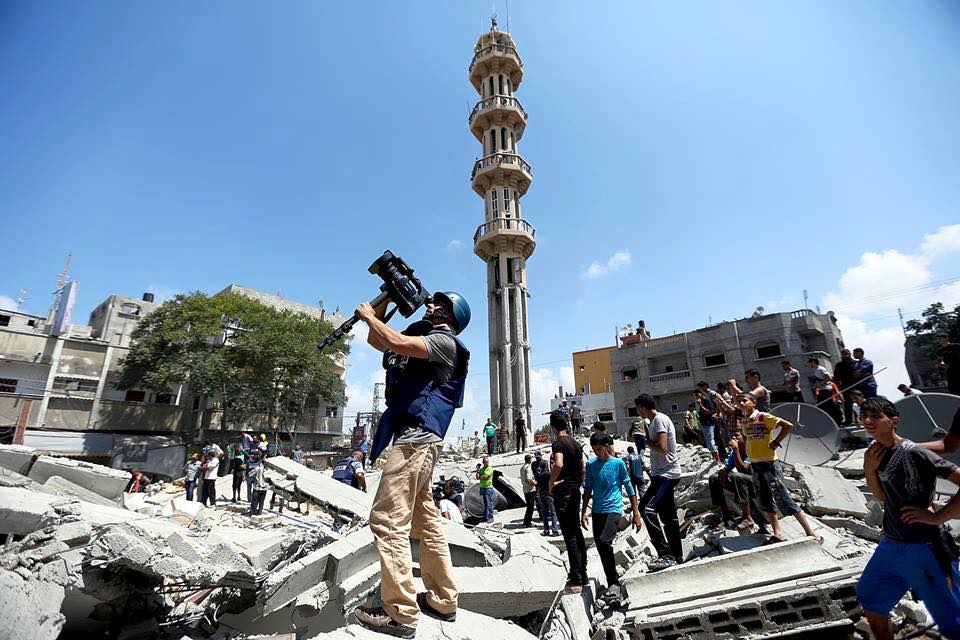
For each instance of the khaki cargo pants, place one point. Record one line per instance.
(404, 508)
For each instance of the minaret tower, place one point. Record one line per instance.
(505, 239)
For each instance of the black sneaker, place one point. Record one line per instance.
(433, 613)
(661, 563)
(376, 619)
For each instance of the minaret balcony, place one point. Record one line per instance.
(503, 235)
(501, 168)
(497, 111)
(496, 58)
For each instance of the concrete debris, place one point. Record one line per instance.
(528, 580)
(829, 493)
(324, 490)
(83, 558)
(17, 458)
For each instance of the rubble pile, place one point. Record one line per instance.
(82, 557)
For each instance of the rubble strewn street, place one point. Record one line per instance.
(83, 558)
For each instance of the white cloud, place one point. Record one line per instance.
(7, 303)
(618, 261)
(454, 245)
(870, 293)
(944, 240)
(545, 383)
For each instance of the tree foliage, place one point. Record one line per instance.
(252, 358)
(935, 319)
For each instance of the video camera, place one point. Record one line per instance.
(400, 287)
(438, 493)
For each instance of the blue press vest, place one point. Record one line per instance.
(414, 395)
(343, 471)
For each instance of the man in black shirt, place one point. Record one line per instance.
(949, 356)
(845, 375)
(565, 481)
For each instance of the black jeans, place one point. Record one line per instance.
(521, 441)
(208, 493)
(566, 499)
(605, 527)
(531, 498)
(659, 512)
(256, 506)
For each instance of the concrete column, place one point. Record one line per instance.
(522, 399)
(506, 348)
(48, 387)
(101, 385)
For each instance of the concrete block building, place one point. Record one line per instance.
(668, 368)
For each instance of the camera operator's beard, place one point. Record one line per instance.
(437, 316)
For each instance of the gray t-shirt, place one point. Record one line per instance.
(791, 380)
(663, 464)
(442, 352)
(908, 474)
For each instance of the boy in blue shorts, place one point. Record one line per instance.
(915, 551)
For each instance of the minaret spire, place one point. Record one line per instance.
(505, 240)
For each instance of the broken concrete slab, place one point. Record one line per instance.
(528, 580)
(466, 549)
(63, 487)
(16, 458)
(468, 626)
(829, 493)
(31, 608)
(849, 463)
(109, 483)
(323, 489)
(21, 512)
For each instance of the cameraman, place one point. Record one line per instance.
(426, 370)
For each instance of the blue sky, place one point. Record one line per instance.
(715, 156)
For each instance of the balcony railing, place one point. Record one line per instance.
(500, 224)
(496, 101)
(495, 48)
(498, 159)
(673, 375)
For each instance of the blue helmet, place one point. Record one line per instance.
(461, 310)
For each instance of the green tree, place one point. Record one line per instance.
(254, 359)
(935, 319)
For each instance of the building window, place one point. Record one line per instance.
(606, 417)
(68, 384)
(629, 374)
(714, 360)
(491, 86)
(332, 412)
(4, 321)
(196, 403)
(674, 407)
(501, 85)
(506, 200)
(768, 350)
(8, 385)
(632, 412)
(668, 368)
(129, 309)
(31, 323)
(494, 203)
(581, 367)
(164, 398)
(134, 395)
(503, 139)
(493, 141)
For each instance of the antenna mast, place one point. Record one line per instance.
(61, 283)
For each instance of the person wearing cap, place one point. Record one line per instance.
(604, 478)
(426, 369)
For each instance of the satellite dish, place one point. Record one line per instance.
(815, 438)
(757, 312)
(928, 417)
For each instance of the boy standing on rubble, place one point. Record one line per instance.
(605, 476)
(916, 552)
(758, 428)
